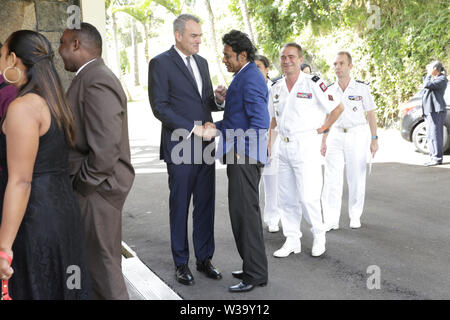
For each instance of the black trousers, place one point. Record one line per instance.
(245, 215)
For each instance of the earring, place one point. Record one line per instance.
(18, 78)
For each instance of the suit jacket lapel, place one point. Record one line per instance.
(180, 64)
(203, 74)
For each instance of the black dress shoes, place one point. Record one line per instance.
(208, 269)
(184, 275)
(238, 274)
(242, 287)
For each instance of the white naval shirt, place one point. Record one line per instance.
(356, 99)
(304, 108)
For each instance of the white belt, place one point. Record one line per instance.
(345, 130)
(297, 136)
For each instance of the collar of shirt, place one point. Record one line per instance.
(241, 69)
(84, 65)
(195, 68)
(300, 78)
(351, 84)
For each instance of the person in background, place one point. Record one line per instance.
(7, 94)
(100, 161)
(41, 229)
(347, 145)
(306, 68)
(271, 213)
(434, 110)
(299, 102)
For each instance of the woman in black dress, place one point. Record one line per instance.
(41, 226)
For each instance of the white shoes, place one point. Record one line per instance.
(290, 246)
(273, 228)
(355, 223)
(330, 227)
(318, 247)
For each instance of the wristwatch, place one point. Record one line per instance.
(374, 137)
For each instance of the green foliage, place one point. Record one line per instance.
(124, 62)
(391, 56)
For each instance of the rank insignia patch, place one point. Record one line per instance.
(323, 87)
(304, 95)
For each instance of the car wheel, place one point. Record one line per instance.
(419, 137)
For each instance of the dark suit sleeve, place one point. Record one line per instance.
(440, 83)
(103, 117)
(159, 95)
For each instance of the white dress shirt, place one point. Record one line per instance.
(198, 77)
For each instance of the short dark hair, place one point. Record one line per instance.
(92, 36)
(240, 42)
(295, 45)
(349, 57)
(304, 66)
(1, 45)
(263, 59)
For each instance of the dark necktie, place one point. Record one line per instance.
(190, 68)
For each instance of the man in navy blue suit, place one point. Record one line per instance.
(243, 147)
(182, 98)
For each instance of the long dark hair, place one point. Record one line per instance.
(37, 56)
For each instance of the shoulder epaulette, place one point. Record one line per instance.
(275, 80)
(315, 78)
(366, 83)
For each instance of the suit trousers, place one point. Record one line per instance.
(196, 181)
(245, 216)
(347, 150)
(103, 234)
(435, 134)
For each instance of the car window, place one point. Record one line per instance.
(447, 95)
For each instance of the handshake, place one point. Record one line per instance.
(208, 131)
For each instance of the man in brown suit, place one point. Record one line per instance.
(100, 166)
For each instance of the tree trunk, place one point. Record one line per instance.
(134, 36)
(246, 18)
(212, 36)
(116, 44)
(147, 36)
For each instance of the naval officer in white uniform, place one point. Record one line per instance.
(299, 103)
(347, 145)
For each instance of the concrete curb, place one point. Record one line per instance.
(141, 282)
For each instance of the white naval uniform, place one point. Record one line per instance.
(299, 114)
(347, 146)
(270, 176)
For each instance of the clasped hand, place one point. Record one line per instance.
(208, 131)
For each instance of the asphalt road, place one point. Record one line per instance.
(404, 236)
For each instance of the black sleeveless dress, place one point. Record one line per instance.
(49, 254)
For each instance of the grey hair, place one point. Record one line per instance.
(180, 22)
(438, 66)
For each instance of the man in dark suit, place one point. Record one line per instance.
(181, 96)
(100, 162)
(243, 147)
(434, 110)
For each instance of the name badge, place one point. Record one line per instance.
(304, 95)
(355, 98)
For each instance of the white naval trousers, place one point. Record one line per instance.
(350, 150)
(300, 184)
(270, 179)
